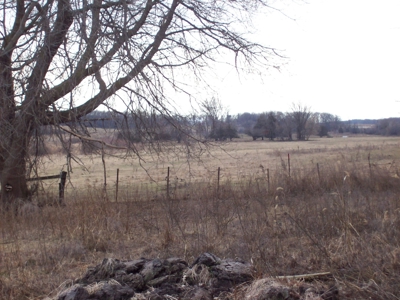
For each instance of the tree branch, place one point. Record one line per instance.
(92, 104)
(53, 40)
(81, 72)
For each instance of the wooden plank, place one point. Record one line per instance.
(44, 177)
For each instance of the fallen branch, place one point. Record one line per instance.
(304, 276)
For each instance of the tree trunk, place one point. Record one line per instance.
(13, 168)
(13, 182)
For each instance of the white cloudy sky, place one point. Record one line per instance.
(343, 58)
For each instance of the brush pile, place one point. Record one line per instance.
(208, 277)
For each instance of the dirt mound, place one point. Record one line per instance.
(208, 277)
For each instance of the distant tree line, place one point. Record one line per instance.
(300, 123)
(141, 126)
(216, 124)
(389, 126)
(212, 122)
(385, 127)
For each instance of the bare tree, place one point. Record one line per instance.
(311, 126)
(300, 115)
(326, 123)
(213, 112)
(285, 126)
(60, 60)
(260, 128)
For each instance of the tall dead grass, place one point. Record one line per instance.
(344, 219)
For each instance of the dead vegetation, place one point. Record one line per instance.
(343, 218)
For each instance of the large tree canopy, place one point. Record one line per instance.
(60, 60)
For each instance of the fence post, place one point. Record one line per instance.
(288, 159)
(268, 179)
(105, 196)
(61, 186)
(369, 164)
(319, 175)
(168, 183)
(116, 187)
(219, 173)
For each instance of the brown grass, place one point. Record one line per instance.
(345, 220)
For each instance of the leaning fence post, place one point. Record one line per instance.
(61, 186)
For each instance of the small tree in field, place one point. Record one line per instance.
(62, 59)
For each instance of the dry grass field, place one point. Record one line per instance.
(237, 160)
(336, 210)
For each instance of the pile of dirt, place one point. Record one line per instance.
(207, 278)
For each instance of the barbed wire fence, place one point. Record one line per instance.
(168, 185)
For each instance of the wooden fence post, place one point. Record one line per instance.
(319, 175)
(219, 173)
(268, 179)
(369, 164)
(168, 183)
(116, 187)
(105, 196)
(61, 186)
(288, 159)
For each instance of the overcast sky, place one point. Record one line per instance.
(343, 58)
